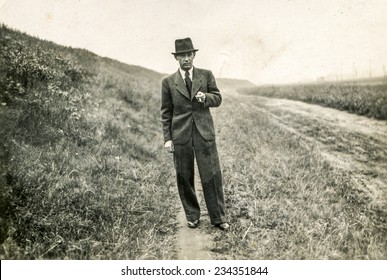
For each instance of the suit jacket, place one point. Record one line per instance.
(180, 110)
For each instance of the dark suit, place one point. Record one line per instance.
(189, 124)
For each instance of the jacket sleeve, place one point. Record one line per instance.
(213, 96)
(166, 110)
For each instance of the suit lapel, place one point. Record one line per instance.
(196, 83)
(180, 85)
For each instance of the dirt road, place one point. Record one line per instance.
(354, 143)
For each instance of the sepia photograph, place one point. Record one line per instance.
(193, 130)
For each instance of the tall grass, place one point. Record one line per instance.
(82, 175)
(363, 99)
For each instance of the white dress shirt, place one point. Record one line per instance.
(182, 72)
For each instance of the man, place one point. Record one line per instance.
(186, 98)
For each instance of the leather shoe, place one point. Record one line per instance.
(223, 226)
(193, 224)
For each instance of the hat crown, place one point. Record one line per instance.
(184, 45)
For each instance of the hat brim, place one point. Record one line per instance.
(185, 51)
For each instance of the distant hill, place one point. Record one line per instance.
(227, 83)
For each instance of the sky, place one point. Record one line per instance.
(263, 41)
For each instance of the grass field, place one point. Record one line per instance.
(285, 199)
(84, 176)
(368, 98)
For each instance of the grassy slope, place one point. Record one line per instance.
(83, 176)
(363, 97)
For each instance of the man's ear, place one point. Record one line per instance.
(175, 57)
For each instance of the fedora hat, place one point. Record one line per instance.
(184, 46)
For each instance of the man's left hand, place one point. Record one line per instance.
(200, 97)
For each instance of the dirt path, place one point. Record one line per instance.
(354, 143)
(195, 244)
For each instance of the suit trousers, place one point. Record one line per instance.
(210, 175)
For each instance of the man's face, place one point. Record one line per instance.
(185, 60)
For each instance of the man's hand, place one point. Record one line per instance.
(200, 97)
(168, 146)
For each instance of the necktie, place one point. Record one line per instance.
(188, 82)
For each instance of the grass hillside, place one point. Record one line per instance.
(82, 171)
(366, 97)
